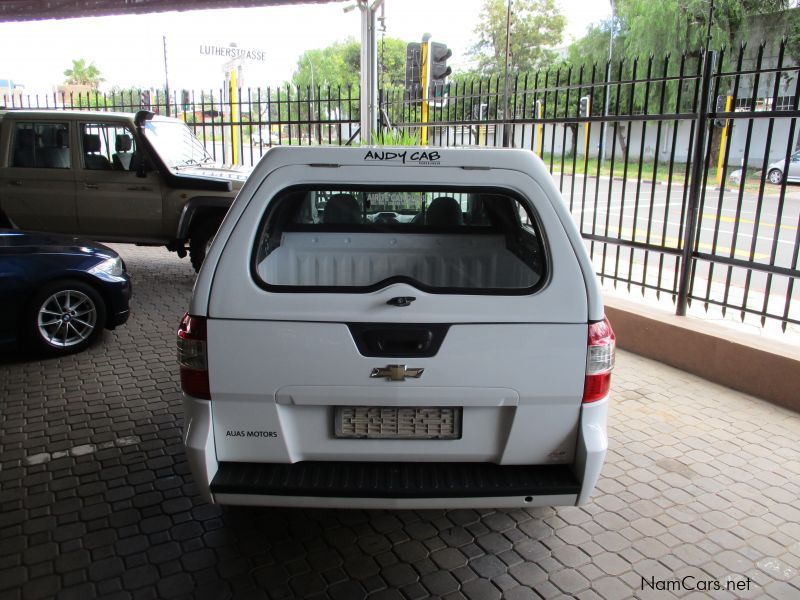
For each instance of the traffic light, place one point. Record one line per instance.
(585, 107)
(413, 71)
(722, 106)
(438, 54)
(185, 100)
(480, 112)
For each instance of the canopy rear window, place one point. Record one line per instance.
(438, 240)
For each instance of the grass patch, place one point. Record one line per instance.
(589, 167)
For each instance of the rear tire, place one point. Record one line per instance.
(775, 176)
(201, 239)
(63, 317)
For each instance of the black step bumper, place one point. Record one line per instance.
(393, 480)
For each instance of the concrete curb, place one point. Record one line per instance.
(767, 369)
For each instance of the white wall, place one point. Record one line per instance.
(554, 139)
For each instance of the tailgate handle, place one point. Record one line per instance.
(399, 342)
(401, 301)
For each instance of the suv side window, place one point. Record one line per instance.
(107, 147)
(41, 145)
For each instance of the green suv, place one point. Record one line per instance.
(117, 177)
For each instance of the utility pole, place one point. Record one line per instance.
(166, 74)
(312, 107)
(506, 133)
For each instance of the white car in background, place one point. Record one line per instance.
(775, 171)
(265, 139)
(460, 358)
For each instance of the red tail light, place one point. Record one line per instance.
(599, 361)
(192, 356)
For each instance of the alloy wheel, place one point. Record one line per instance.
(67, 318)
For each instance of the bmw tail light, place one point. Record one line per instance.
(599, 361)
(192, 358)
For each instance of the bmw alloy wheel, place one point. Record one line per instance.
(67, 318)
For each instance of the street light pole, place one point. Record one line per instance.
(166, 75)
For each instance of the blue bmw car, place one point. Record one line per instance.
(57, 293)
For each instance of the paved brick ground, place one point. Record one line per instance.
(96, 498)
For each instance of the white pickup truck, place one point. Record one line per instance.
(396, 328)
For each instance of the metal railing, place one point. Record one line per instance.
(668, 202)
(236, 126)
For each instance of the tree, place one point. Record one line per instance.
(681, 26)
(593, 46)
(392, 62)
(83, 74)
(677, 28)
(339, 65)
(537, 26)
(793, 34)
(657, 35)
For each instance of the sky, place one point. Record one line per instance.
(128, 50)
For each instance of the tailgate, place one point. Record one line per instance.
(519, 387)
(283, 307)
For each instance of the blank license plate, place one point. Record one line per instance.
(392, 423)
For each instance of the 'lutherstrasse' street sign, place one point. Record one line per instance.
(231, 52)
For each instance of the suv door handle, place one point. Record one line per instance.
(140, 188)
(91, 186)
(15, 182)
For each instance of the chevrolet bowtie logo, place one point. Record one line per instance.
(396, 373)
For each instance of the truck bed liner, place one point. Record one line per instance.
(363, 259)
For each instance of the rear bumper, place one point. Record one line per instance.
(394, 485)
(371, 484)
(395, 503)
(592, 446)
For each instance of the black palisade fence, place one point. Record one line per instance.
(674, 168)
(236, 126)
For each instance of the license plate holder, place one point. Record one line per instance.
(398, 423)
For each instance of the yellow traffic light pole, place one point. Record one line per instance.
(234, 99)
(539, 128)
(586, 127)
(722, 140)
(424, 85)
